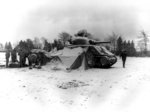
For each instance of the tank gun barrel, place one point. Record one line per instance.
(98, 42)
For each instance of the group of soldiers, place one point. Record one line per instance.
(37, 58)
(33, 58)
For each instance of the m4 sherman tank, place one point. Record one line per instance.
(96, 55)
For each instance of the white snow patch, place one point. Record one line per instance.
(107, 90)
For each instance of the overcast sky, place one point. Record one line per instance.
(21, 19)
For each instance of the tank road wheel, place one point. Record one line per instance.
(104, 62)
(90, 59)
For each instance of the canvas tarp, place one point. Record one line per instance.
(80, 61)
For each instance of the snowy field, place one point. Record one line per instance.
(96, 90)
(2, 58)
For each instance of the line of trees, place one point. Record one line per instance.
(126, 45)
(116, 46)
(40, 43)
(143, 44)
(8, 46)
(59, 43)
(117, 42)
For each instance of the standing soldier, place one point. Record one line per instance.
(123, 56)
(7, 57)
(13, 55)
(21, 54)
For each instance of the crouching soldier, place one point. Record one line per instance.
(7, 55)
(33, 61)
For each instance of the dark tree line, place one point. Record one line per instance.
(117, 42)
(37, 43)
(116, 46)
(126, 45)
(58, 44)
(8, 46)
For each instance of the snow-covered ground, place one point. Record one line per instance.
(96, 90)
(2, 58)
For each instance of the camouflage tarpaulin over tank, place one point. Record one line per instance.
(38, 51)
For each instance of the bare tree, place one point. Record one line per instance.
(143, 41)
(37, 44)
(64, 37)
(1, 46)
(113, 39)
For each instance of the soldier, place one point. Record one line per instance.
(32, 58)
(22, 57)
(35, 58)
(123, 56)
(7, 57)
(13, 55)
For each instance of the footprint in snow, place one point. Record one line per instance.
(35, 98)
(23, 86)
(125, 88)
(116, 82)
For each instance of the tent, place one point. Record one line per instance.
(81, 60)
